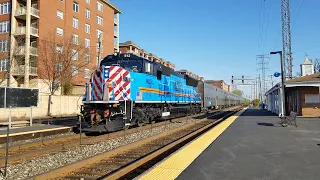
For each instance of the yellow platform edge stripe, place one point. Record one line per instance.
(36, 131)
(172, 167)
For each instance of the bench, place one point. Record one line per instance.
(290, 120)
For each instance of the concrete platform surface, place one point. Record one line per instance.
(31, 129)
(254, 147)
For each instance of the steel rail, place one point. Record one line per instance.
(65, 170)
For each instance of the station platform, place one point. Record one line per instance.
(32, 132)
(249, 145)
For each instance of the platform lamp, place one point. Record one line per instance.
(282, 82)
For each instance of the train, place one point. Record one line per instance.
(129, 90)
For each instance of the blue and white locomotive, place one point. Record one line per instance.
(129, 90)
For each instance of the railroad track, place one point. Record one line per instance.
(128, 161)
(27, 151)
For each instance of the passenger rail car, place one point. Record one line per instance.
(128, 90)
(215, 98)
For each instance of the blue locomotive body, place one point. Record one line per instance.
(128, 90)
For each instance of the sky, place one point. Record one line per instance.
(217, 39)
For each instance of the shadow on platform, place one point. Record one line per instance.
(265, 124)
(257, 112)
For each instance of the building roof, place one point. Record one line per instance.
(219, 81)
(113, 6)
(308, 78)
(307, 62)
(128, 43)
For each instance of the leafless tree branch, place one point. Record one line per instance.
(59, 59)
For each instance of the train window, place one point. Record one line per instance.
(135, 66)
(148, 67)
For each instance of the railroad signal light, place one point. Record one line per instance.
(242, 79)
(231, 79)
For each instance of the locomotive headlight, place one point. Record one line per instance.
(106, 73)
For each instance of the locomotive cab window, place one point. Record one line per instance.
(148, 67)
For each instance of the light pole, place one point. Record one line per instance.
(282, 83)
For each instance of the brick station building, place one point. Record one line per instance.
(302, 96)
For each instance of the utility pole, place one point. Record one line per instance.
(262, 65)
(271, 76)
(283, 95)
(259, 81)
(100, 48)
(286, 37)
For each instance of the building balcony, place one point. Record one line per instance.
(22, 51)
(20, 69)
(115, 46)
(22, 31)
(115, 21)
(21, 13)
(34, 31)
(115, 34)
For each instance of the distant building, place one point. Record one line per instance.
(220, 84)
(307, 68)
(131, 47)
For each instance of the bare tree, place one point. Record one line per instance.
(298, 74)
(316, 64)
(59, 60)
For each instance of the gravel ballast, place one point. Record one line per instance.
(43, 164)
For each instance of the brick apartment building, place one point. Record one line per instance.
(220, 84)
(33, 20)
(131, 47)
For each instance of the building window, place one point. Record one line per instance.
(74, 70)
(86, 43)
(5, 8)
(312, 98)
(4, 26)
(59, 31)
(88, 1)
(100, 20)
(87, 13)
(4, 64)
(75, 38)
(74, 55)
(75, 6)
(87, 58)
(59, 67)
(3, 45)
(98, 33)
(59, 14)
(99, 6)
(86, 73)
(59, 49)
(87, 28)
(75, 23)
